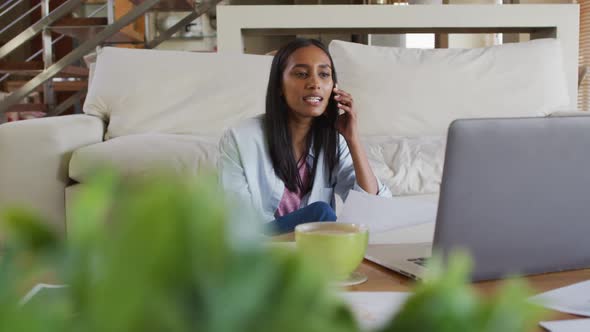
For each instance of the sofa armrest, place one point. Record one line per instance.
(34, 159)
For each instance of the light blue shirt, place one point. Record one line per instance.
(246, 171)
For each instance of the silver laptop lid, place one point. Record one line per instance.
(516, 193)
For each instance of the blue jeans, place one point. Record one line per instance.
(317, 211)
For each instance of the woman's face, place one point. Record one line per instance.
(307, 82)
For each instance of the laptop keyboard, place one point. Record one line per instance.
(420, 261)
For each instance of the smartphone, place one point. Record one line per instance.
(340, 111)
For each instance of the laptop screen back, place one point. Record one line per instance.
(516, 194)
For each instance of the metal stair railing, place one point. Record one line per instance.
(39, 5)
(38, 26)
(86, 47)
(55, 41)
(199, 10)
(6, 76)
(76, 97)
(6, 4)
(83, 49)
(20, 18)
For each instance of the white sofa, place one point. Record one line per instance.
(148, 109)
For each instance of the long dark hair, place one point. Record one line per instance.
(323, 134)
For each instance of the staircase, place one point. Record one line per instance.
(37, 79)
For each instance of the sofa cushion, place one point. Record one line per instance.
(145, 153)
(407, 166)
(174, 92)
(418, 92)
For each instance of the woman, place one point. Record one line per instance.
(289, 162)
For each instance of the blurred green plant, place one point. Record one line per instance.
(157, 254)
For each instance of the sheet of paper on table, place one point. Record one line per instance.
(374, 309)
(571, 325)
(387, 215)
(572, 299)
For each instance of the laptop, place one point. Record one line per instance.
(515, 193)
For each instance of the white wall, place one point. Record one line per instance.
(398, 40)
(521, 37)
(472, 40)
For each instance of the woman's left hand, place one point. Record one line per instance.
(346, 123)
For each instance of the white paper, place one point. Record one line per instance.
(36, 289)
(383, 214)
(572, 299)
(572, 325)
(423, 233)
(373, 310)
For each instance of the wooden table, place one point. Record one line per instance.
(384, 280)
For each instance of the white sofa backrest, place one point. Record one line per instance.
(397, 91)
(152, 91)
(416, 92)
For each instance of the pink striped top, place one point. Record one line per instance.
(292, 200)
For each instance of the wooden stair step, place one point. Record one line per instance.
(33, 68)
(170, 5)
(58, 86)
(28, 108)
(85, 28)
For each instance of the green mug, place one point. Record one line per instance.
(338, 248)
